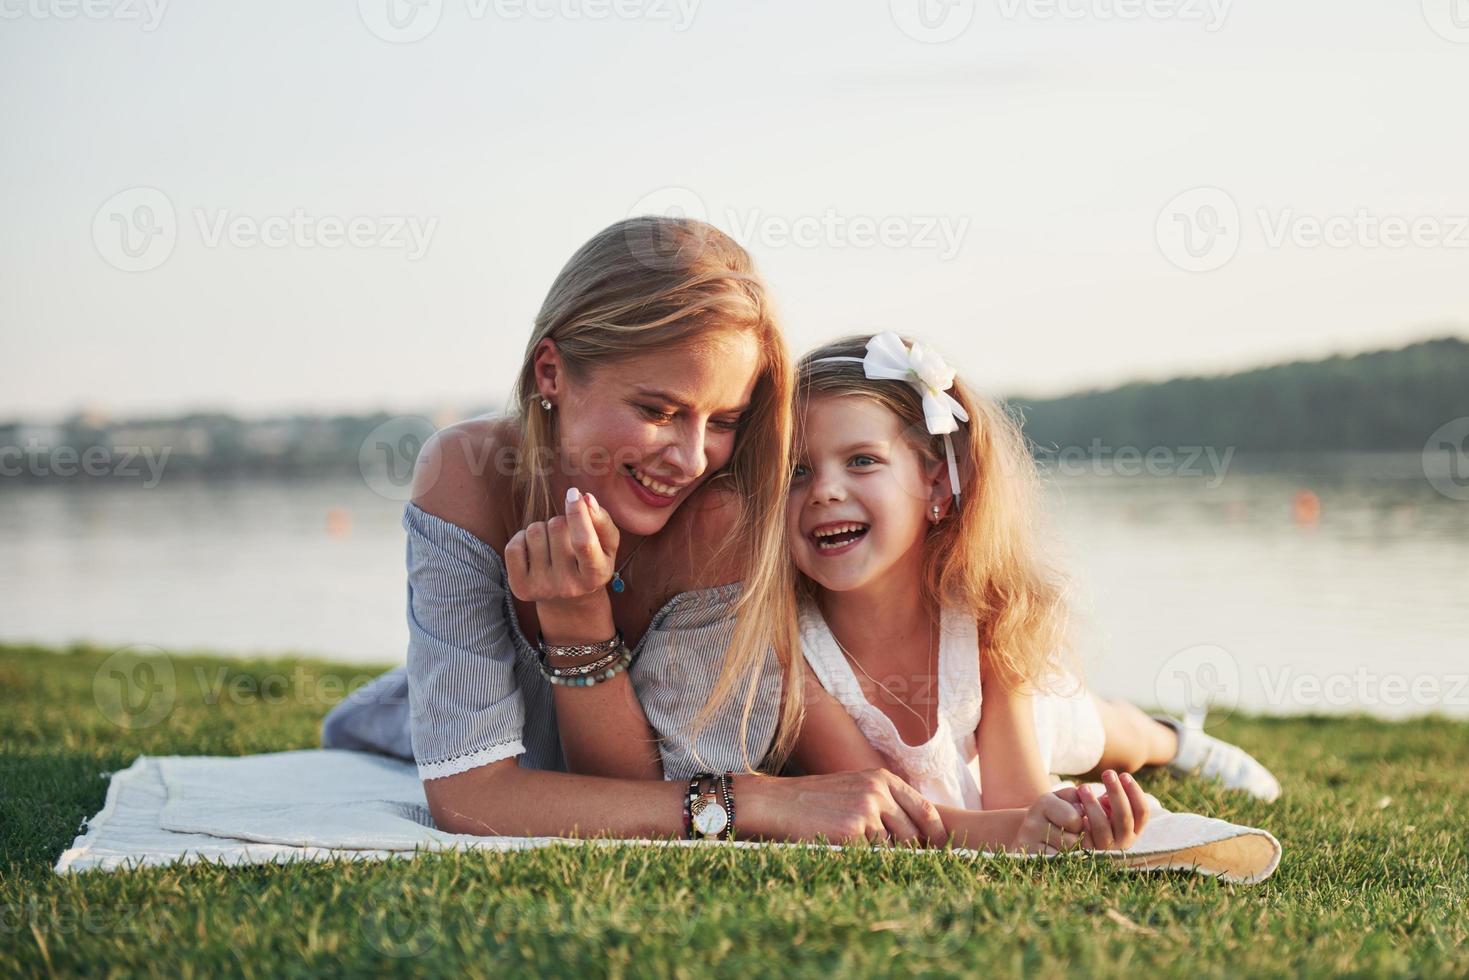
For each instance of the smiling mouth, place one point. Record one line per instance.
(835, 536)
(652, 485)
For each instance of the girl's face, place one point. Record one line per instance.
(860, 494)
(644, 433)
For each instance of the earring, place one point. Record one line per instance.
(935, 513)
(546, 404)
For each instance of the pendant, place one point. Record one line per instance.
(617, 584)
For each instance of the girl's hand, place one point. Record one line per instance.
(563, 565)
(871, 805)
(1052, 824)
(1114, 821)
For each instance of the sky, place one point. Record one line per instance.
(341, 206)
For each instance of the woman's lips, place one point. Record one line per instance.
(649, 497)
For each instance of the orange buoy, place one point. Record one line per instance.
(338, 522)
(1305, 507)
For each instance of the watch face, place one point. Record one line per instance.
(710, 819)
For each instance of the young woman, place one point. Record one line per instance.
(598, 583)
(923, 598)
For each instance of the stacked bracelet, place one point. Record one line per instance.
(709, 819)
(615, 658)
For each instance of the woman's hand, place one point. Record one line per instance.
(871, 805)
(563, 565)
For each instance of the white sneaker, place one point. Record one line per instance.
(1201, 754)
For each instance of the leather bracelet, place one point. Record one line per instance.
(572, 651)
(561, 678)
(590, 668)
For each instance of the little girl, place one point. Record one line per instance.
(923, 597)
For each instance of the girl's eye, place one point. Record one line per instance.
(863, 460)
(799, 472)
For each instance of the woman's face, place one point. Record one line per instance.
(642, 434)
(860, 494)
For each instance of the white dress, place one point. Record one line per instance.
(945, 769)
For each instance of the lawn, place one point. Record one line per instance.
(1374, 880)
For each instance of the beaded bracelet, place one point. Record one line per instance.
(563, 677)
(726, 783)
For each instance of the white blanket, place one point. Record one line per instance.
(322, 804)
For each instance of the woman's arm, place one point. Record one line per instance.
(603, 729)
(502, 799)
(1009, 755)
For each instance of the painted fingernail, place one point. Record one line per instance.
(572, 495)
(592, 502)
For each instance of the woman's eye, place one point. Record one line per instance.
(656, 415)
(727, 425)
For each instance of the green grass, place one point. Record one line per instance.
(1365, 886)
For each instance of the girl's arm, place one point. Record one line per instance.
(1009, 755)
(830, 741)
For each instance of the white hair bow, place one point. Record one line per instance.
(890, 359)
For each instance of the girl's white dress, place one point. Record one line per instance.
(945, 769)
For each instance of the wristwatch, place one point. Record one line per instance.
(709, 818)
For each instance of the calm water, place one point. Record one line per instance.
(1186, 586)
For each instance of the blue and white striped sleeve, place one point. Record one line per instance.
(678, 662)
(466, 707)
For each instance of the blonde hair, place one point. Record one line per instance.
(647, 284)
(984, 557)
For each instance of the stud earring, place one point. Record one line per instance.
(935, 513)
(546, 404)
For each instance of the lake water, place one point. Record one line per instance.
(1188, 587)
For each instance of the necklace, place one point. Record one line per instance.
(618, 585)
(931, 672)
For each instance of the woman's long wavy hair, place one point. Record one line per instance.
(647, 284)
(984, 557)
